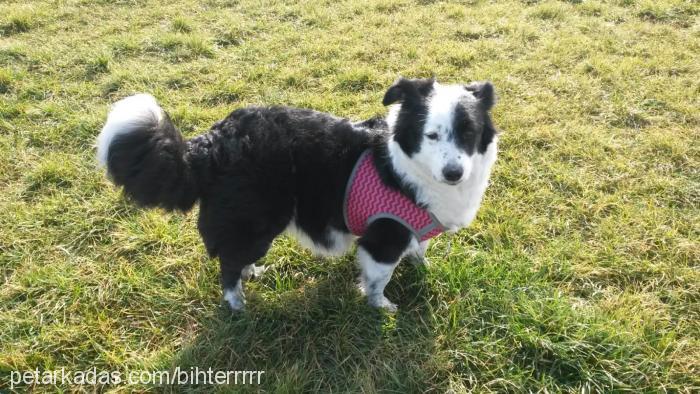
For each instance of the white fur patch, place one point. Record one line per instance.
(393, 116)
(235, 297)
(442, 103)
(340, 241)
(139, 111)
(253, 271)
(374, 278)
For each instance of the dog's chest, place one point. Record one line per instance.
(456, 207)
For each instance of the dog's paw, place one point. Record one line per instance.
(258, 270)
(235, 300)
(382, 302)
(253, 271)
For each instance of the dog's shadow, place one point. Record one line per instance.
(319, 335)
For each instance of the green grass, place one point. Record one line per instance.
(580, 274)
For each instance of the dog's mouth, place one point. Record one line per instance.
(440, 179)
(452, 183)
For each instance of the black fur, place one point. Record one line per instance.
(486, 94)
(270, 165)
(412, 94)
(385, 240)
(154, 167)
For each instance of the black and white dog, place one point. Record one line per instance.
(263, 170)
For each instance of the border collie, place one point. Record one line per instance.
(390, 184)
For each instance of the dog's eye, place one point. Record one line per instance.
(433, 136)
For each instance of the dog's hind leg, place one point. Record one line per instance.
(237, 261)
(378, 253)
(238, 221)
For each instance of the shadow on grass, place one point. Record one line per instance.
(321, 336)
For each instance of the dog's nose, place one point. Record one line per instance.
(452, 172)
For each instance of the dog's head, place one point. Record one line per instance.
(441, 128)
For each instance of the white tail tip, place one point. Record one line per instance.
(137, 112)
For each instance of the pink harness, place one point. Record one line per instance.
(367, 199)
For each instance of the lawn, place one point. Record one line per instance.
(581, 272)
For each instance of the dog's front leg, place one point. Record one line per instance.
(378, 253)
(416, 253)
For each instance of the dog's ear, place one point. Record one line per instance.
(395, 92)
(406, 89)
(484, 92)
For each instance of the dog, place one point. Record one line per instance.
(388, 184)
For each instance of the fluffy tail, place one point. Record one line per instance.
(144, 152)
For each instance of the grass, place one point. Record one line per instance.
(580, 274)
